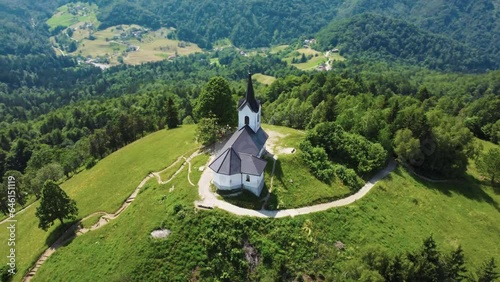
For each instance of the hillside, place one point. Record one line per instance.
(475, 23)
(87, 90)
(104, 187)
(399, 212)
(373, 37)
(254, 23)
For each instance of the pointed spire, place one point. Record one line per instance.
(250, 97)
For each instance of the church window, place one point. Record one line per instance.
(247, 120)
(248, 178)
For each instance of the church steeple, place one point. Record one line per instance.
(250, 96)
(249, 109)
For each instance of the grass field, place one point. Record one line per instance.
(396, 216)
(82, 13)
(264, 79)
(115, 250)
(293, 185)
(276, 49)
(109, 42)
(154, 46)
(317, 59)
(104, 187)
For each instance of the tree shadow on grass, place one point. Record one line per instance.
(466, 186)
(279, 175)
(63, 232)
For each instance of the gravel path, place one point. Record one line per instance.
(209, 200)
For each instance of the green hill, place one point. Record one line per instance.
(104, 187)
(255, 23)
(396, 216)
(375, 37)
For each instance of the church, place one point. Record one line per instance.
(239, 165)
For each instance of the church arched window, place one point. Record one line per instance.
(247, 120)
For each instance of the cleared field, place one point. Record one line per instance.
(293, 184)
(73, 13)
(318, 58)
(156, 49)
(278, 48)
(121, 244)
(153, 46)
(264, 79)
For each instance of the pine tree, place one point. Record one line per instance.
(303, 59)
(488, 272)
(395, 271)
(423, 94)
(172, 114)
(455, 269)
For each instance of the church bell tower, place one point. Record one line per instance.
(249, 109)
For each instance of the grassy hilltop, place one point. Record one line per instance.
(396, 216)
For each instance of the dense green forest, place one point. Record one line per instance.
(372, 37)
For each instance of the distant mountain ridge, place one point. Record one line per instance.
(370, 36)
(257, 23)
(474, 25)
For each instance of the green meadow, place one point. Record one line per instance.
(104, 187)
(85, 13)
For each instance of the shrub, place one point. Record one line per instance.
(317, 161)
(348, 177)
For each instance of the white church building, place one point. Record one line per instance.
(239, 165)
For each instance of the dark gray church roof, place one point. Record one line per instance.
(246, 141)
(239, 154)
(252, 165)
(228, 162)
(249, 98)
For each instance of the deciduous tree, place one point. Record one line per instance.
(406, 147)
(489, 163)
(54, 204)
(215, 99)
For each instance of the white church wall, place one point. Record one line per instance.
(253, 118)
(227, 182)
(255, 184)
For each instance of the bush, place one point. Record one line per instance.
(348, 177)
(90, 163)
(317, 161)
(178, 208)
(188, 120)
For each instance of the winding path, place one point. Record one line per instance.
(77, 229)
(17, 213)
(209, 199)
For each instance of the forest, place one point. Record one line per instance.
(369, 37)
